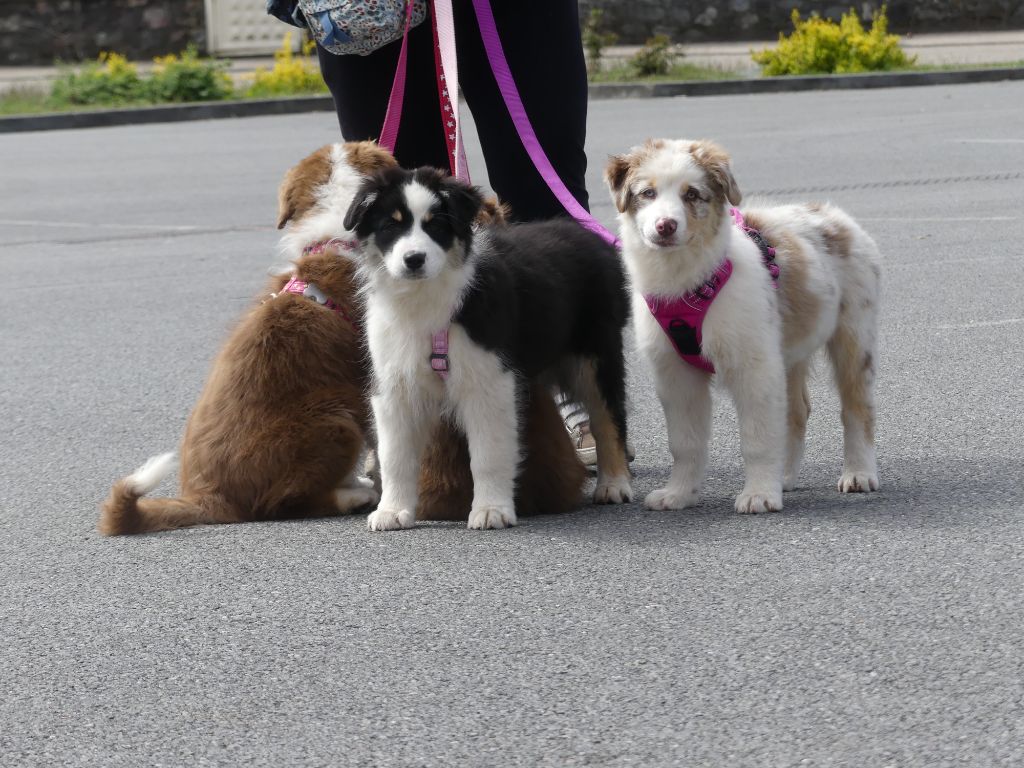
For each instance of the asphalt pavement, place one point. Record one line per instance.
(860, 630)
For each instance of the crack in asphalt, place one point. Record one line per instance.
(892, 184)
(164, 234)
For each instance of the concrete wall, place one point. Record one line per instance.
(718, 20)
(41, 31)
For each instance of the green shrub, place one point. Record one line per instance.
(820, 46)
(596, 39)
(290, 74)
(110, 80)
(655, 58)
(189, 78)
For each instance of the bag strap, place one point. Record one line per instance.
(514, 104)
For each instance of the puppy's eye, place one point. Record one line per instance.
(648, 193)
(691, 195)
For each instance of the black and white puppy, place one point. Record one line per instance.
(518, 302)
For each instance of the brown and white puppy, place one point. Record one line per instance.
(280, 423)
(674, 198)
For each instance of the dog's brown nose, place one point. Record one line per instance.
(414, 261)
(666, 226)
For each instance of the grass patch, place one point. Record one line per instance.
(964, 67)
(624, 73)
(24, 102)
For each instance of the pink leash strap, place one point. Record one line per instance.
(393, 117)
(509, 92)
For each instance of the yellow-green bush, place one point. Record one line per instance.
(189, 77)
(655, 58)
(596, 39)
(290, 74)
(818, 46)
(110, 80)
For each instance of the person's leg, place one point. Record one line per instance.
(541, 40)
(361, 85)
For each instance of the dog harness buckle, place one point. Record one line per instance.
(439, 362)
(310, 291)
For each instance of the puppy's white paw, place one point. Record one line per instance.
(789, 483)
(391, 519)
(349, 499)
(364, 482)
(667, 498)
(858, 482)
(754, 502)
(613, 490)
(492, 516)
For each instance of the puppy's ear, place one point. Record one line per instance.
(367, 158)
(493, 213)
(361, 205)
(462, 200)
(297, 193)
(615, 176)
(715, 162)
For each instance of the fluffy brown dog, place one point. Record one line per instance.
(280, 425)
(283, 418)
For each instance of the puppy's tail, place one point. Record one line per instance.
(126, 512)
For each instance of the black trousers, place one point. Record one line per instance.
(541, 39)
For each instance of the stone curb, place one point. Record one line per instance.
(795, 83)
(171, 113)
(299, 104)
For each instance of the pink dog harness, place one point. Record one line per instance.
(682, 318)
(439, 353)
(309, 290)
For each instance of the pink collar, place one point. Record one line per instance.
(335, 243)
(439, 353)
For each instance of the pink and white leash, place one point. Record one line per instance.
(448, 86)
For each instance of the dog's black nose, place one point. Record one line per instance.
(414, 261)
